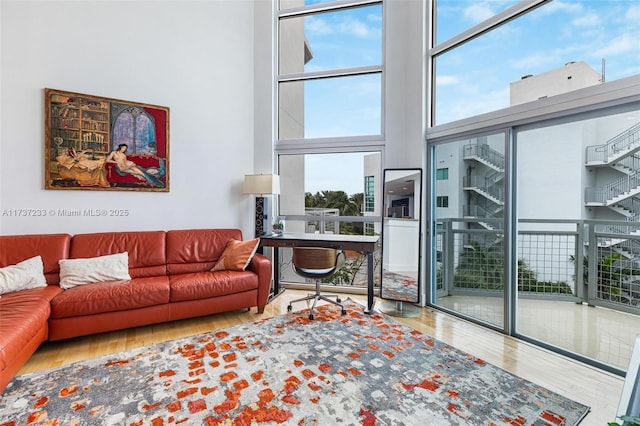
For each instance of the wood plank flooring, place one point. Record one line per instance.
(588, 385)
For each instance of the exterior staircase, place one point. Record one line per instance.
(616, 148)
(486, 155)
(484, 185)
(621, 154)
(621, 195)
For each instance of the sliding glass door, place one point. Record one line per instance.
(468, 222)
(579, 234)
(556, 260)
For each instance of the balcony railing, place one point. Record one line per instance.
(582, 261)
(591, 261)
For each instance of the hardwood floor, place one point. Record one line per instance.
(588, 385)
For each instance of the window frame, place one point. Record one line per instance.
(442, 173)
(595, 100)
(328, 144)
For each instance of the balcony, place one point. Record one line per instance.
(565, 300)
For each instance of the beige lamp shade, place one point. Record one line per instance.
(261, 184)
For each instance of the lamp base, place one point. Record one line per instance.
(261, 217)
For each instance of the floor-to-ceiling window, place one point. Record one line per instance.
(329, 142)
(579, 233)
(470, 240)
(534, 117)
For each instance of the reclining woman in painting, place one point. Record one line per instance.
(127, 166)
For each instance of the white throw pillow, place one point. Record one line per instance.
(22, 276)
(112, 267)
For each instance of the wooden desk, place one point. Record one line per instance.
(365, 244)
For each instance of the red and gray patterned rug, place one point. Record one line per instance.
(348, 370)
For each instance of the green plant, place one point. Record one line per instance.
(482, 268)
(609, 275)
(626, 421)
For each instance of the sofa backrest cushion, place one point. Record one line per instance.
(51, 247)
(196, 250)
(146, 249)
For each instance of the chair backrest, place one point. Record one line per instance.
(316, 262)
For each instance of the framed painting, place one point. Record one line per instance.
(97, 143)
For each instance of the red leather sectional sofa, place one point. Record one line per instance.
(170, 280)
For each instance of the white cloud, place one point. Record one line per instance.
(633, 13)
(372, 17)
(618, 46)
(475, 103)
(478, 12)
(534, 61)
(559, 6)
(317, 26)
(446, 80)
(588, 20)
(355, 27)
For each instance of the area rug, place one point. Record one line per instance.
(352, 369)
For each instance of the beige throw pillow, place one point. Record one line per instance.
(22, 276)
(237, 255)
(112, 267)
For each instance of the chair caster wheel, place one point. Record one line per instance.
(338, 300)
(344, 312)
(289, 308)
(311, 317)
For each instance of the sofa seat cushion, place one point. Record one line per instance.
(111, 296)
(202, 285)
(22, 315)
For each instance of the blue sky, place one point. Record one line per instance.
(545, 39)
(479, 72)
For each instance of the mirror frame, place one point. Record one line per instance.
(391, 179)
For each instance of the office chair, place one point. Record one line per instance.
(317, 263)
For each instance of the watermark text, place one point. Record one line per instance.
(65, 212)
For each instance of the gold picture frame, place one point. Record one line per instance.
(97, 143)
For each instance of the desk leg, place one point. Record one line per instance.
(275, 291)
(369, 308)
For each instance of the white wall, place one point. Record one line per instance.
(195, 57)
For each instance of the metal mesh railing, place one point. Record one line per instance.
(554, 261)
(546, 263)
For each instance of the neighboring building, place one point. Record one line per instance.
(372, 202)
(572, 76)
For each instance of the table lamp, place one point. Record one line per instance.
(261, 185)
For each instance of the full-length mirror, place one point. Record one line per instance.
(401, 236)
